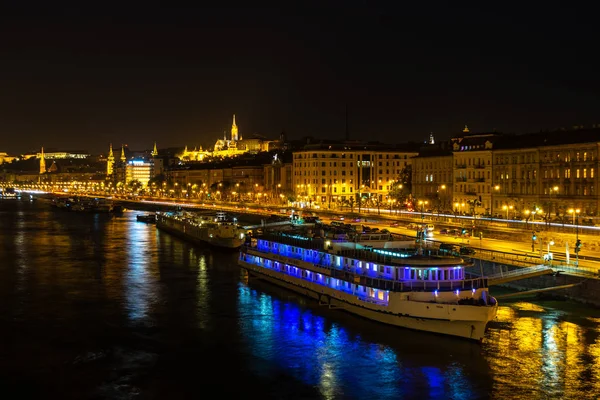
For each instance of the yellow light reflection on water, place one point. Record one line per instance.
(535, 353)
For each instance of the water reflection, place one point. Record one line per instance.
(83, 287)
(141, 289)
(342, 364)
(543, 355)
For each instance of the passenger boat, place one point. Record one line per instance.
(217, 230)
(397, 287)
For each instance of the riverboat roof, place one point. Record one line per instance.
(399, 257)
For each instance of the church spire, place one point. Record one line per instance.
(234, 130)
(123, 158)
(42, 163)
(466, 130)
(155, 151)
(110, 161)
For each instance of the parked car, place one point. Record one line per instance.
(466, 250)
(443, 231)
(412, 225)
(384, 231)
(395, 223)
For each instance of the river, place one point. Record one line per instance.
(99, 306)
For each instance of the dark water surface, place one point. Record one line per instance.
(105, 307)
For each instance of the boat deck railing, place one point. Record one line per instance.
(360, 277)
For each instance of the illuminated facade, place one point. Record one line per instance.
(56, 155)
(42, 162)
(432, 179)
(110, 162)
(550, 178)
(235, 146)
(5, 158)
(139, 170)
(473, 173)
(323, 174)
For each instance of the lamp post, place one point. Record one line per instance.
(506, 208)
(552, 190)
(575, 212)
(423, 204)
(549, 256)
(496, 188)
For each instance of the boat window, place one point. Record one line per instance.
(425, 274)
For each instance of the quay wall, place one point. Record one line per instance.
(588, 292)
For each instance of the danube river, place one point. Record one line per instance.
(104, 307)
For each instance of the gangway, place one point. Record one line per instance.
(534, 291)
(268, 225)
(518, 274)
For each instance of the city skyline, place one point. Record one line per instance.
(80, 78)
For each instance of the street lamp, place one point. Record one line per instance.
(496, 188)
(506, 208)
(423, 204)
(549, 255)
(575, 212)
(442, 198)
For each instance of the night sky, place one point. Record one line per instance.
(85, 76)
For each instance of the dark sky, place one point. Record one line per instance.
(83, 76)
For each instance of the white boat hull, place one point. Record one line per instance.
(464, 321)
(232, 240)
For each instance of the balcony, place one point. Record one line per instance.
(479, 179)
(461, 166)
(471, 193)
(461, 179)
(479, 166)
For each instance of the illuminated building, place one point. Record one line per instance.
(139, 170)
(110, 162)
(235, 146)
(55, 155)
(5, 158)
(42, 162)
(326, 173)
(432, 178)
(473, 171)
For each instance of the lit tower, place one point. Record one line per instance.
(42, 163)
(466, 130)
(155, 151)
(234, 131)
(110, 162)
(123, 158)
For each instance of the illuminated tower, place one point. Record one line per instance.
(234, 131)
(466, 130)
(42, 163)
(155, 151)
(123, 158)
(110, 162)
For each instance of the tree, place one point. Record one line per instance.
(473, 204)
(158, 179)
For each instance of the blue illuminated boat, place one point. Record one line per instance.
(397, 287)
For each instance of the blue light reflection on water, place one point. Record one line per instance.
(325, 355)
